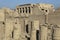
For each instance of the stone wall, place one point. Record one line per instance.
(29, 25)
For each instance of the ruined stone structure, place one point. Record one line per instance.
(29, 22)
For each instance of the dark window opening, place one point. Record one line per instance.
(12, 34)
(26, 9)
(3, 23)
(28, 38)
(23, 10)
(42, 9)
(29, 9)
(27, 28)
(37, 34)
(15, 22)
(20, 10)
(46, 10)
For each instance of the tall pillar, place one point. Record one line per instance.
(23, 34)
(35, 27)
(17, 29)
(2, 26)
(33, 35)
(50, 32)
(43, 32)
(30, 26)
(8, 29)
(46, 19)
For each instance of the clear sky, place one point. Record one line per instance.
(13, 3)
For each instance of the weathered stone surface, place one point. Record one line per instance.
(24, 23)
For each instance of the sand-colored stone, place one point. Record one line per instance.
(24, 22)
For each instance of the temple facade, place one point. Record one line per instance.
(30, 22)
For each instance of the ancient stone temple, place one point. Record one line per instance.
(33, 15)
(30, 22)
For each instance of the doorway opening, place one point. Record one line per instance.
(37, 34)
(27, 30)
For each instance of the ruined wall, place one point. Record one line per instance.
(30, 24)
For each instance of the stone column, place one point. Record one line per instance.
(8, 29)
(2, 26)
(46, 18)
(30, 26)
(22, 29)
(33, 35)
(17, 29)
(43, 32)
(56, 32)
(35, 26)
(50, 32)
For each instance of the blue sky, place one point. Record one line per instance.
(13, 3)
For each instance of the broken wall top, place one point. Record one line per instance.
(6, 13)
